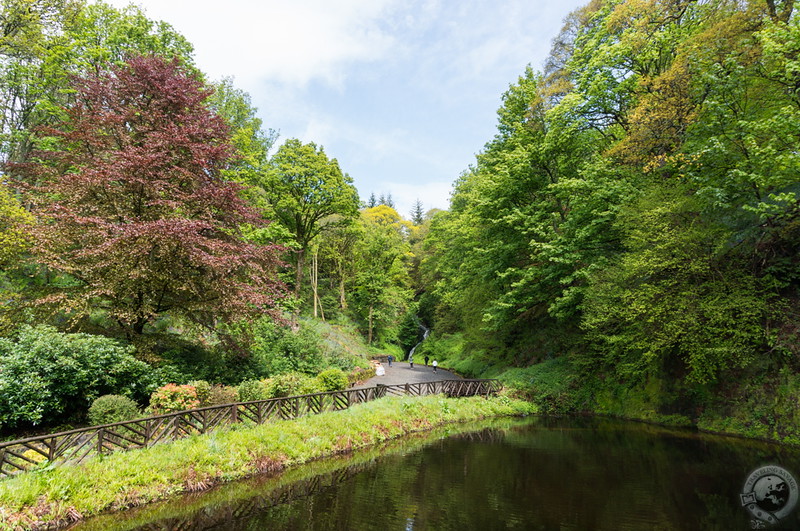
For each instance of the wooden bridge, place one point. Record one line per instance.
(76, 445)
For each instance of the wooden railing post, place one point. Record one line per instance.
(51, 449)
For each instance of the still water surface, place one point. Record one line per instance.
(548, 474)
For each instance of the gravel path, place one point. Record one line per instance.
(401, 373)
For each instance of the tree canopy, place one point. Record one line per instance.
(636, 209)
(303, 187)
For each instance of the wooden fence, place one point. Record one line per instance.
(76, 445)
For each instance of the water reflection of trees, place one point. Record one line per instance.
(226, 516)
(545, 473)
(488, 436)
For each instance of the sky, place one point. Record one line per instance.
(403, 93)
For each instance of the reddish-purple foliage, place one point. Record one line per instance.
(131, 204)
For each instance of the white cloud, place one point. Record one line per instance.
(291, 42)
(401, 92)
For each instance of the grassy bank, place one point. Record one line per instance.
(219, 506)
(69, 493)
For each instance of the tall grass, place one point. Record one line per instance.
(122, 480)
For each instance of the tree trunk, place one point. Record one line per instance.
(315, 285)
(314, 281)
(342, 298)
(369, 326)
(780, 11)
(298, 275)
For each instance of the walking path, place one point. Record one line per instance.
(401, 373)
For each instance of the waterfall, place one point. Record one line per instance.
(425, 332)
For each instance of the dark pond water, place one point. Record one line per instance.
(549, 474)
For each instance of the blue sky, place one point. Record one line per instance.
(403, 93)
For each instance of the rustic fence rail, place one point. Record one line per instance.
(76, 445)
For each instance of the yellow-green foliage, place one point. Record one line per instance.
(332, 380)
(14, 236)
(133, 478)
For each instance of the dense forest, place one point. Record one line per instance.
(626, 243)
(634, 223)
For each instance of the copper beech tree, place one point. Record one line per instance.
(132, 211)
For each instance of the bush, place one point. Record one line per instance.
(173, 397)
(552, 385)
(359, 375)
(223, 394)
(332, 380)
(108, 409)
(212, 364)
(290, 384)
(250, 390)
(48, 376)
(203, 389)
(278, 350)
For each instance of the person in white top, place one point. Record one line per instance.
(435, 364)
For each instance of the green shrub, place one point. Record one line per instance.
(203, 389)
(108, 409)
(332, 380)
(223, 394)
(173, 397)
(278, 350)
(187, 362)
(290, 384)
(553, 386)
(47, 376)
(250, 390)
(360, 374)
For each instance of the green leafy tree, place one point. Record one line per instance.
(304, 187)
(32, 35)
(46, 42)
(15, 240)
(675, 303)
(15, 226)
(337, 248)
(251, 143)
(381, 288)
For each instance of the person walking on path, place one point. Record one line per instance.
(389, 358)
(426, 360)
(411, 360)
(435, 364)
